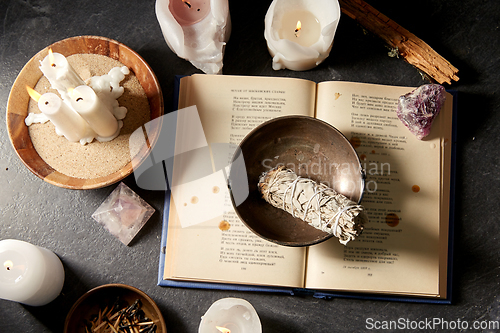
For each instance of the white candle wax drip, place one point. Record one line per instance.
(196, 30)
(67, 121)
(234, 314)
(29, 274)
(304, 48)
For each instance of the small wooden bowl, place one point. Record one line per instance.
(310, 147)
(94, 300)
(17, 108)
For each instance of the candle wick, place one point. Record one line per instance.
(79, 99)
(46, 102)
(187, 4)
(53, 65)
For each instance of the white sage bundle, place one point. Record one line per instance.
(315, 203)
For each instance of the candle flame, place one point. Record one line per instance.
(33, 94)
(8, 265)
(223, 329)
(51, 58)
(298, 26)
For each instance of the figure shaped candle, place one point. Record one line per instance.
(60, 74)
(299, 33)
(196, 30)
(67, 121)
(29, 274)
(230, 315)
(85, 101)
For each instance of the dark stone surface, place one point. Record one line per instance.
(465, 32)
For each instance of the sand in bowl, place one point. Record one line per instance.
(95, 159)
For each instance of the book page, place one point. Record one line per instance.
(210, 243)
(399, 250)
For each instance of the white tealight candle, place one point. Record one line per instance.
(299, 33)
(196, 30)
(230, 315)
(60, 74)
(67, 121)
(29, 274)
(85, 101)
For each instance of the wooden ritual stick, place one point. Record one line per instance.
(415, 51)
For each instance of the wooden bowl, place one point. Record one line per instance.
(17, 108)
(94, 300)
(313, 149)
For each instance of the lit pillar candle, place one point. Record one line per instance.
(29, 274)
(230, 315)
(59, 72)
(67, 122)
(299, 33)
(85, 101)
(196, 30)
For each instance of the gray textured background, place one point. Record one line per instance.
(465, 32)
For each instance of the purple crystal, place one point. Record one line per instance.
(418, 108)
(123, 213)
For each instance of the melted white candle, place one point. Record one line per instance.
(197, 37)
(311, 45)
(97, 114)
(29, 274)
(235, 314)
(309, 32)
(67, 121)
(60, 74)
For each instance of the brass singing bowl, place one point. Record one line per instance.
(313, 149)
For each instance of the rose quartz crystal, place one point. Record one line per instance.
(418, 109)
(123, 213)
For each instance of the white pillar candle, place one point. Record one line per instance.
(234, 315)
(29, 274)
(85, 101)
(305, 47)
(67, 121)
(60, 74)
(196, 30)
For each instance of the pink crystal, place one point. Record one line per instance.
(418, 109)
(123, 213)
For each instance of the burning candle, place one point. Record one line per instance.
(85, 101)
(189, 12)
(300, 33)
(59, 72)
(29, 274)
(230, 315)
(67, 121)
(196, 30)
(300, 27)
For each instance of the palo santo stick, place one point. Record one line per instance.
(316, 204)
(415, 51)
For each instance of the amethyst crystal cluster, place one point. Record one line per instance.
(418, 109)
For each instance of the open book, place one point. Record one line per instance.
(404, 249)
